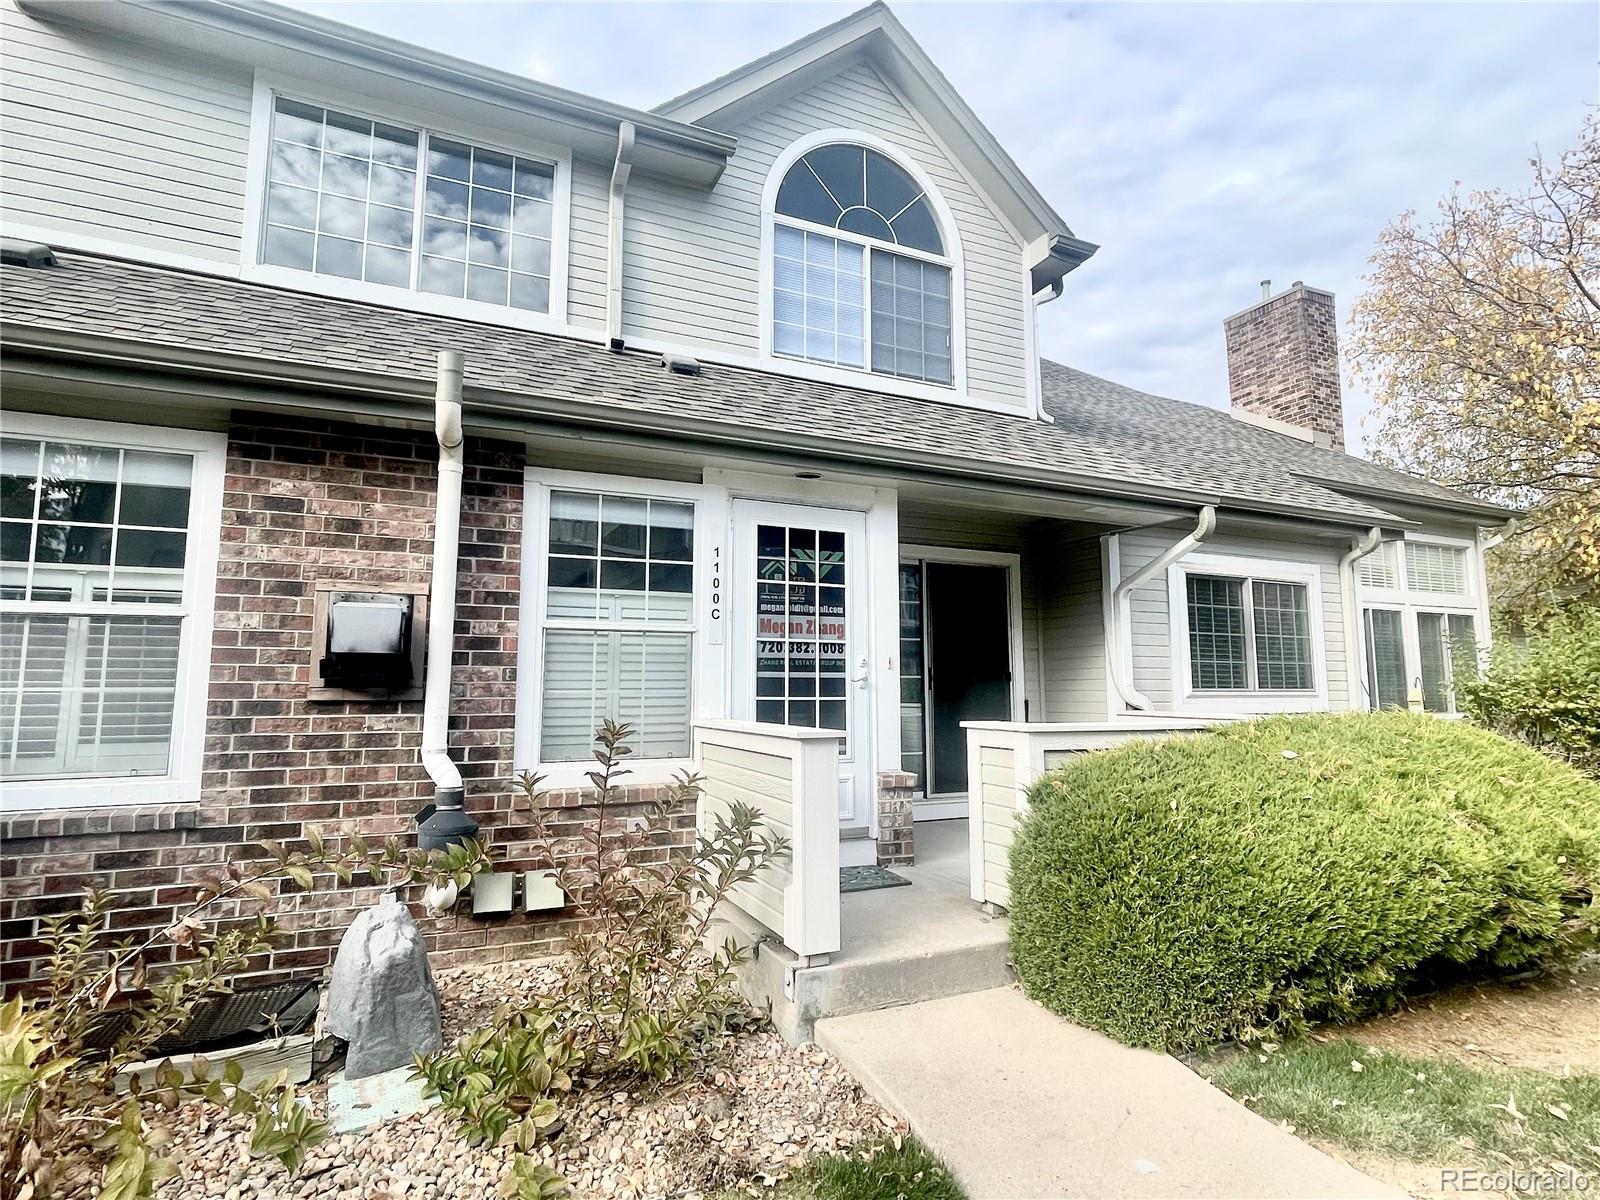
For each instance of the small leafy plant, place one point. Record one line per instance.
(59, 1108)
(639, 988)
(506, 1074)
(640, 984)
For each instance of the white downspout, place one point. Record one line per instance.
(436, 758)
(1499, 535)
(1359, 549)
(1043, 296)
(620, 170)
(1122, 667)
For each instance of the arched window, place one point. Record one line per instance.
(860, 273)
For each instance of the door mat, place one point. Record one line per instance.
(868, 879)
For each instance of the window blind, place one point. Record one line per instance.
(1436, 569)
(1381, 568)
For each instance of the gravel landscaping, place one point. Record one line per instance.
(748, 1112)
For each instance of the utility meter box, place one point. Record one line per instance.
(368, 643)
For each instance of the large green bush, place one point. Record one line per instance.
(1546, 691)
(1241, 883)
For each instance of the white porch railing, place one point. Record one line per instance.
(792, 776)
(1005, 758)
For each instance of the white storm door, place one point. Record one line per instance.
(799, 649)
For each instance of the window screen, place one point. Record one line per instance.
(619, 610)
(1282, 636)
(1216, 633)
(86, 686)
(1265, 647)
(910, 318)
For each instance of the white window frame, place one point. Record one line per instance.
(706, 631)
(1471, 603)
(268, 87)
(952, 258)
(185, 758)
(1245, 700)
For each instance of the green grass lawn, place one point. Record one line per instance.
(879, 1172)
(1425, 1110)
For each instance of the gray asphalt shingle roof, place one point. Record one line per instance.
(1106, 438)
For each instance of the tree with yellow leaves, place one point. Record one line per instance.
(1478, 337)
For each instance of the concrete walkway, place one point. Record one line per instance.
(1022, 1104)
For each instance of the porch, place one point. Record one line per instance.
(814, 952)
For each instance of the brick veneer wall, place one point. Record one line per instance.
(896, 819)
(1283, 361)
(304, 502)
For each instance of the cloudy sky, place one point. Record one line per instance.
(1204, 147)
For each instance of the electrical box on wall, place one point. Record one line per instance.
(368, 644)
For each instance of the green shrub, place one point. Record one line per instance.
(1546, 692)
(1244, 882)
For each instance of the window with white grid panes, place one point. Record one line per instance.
(94, 544)
(1260, 645)
(619, 621)
(836, 204)
(354, 198)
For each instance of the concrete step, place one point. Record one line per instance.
(900, 946)
(976, 958)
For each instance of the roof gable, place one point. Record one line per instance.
(874, 35)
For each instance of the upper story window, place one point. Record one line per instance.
(353, 199)
(860, 273)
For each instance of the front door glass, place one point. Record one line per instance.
(802, 674)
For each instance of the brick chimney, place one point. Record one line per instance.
(1283, 364)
